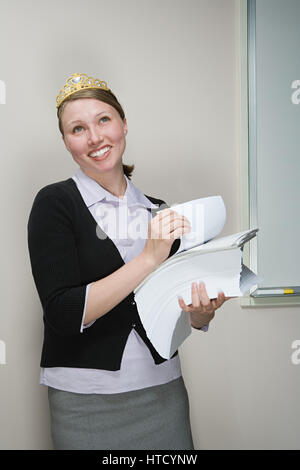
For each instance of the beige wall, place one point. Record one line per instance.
(174, 66)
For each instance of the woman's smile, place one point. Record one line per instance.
(101, 154)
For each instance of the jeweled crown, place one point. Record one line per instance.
(79, 81)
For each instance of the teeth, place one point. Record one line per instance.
(101, 152)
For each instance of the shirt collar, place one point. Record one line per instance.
(92, 192)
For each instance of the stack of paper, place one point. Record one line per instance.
(218, 263)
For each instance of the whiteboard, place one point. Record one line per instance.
(274, 138)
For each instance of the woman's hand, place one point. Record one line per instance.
(163, 229)
(202, 309)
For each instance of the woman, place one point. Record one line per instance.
(108, 387)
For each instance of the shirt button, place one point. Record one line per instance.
(133, 324)
(133, 302)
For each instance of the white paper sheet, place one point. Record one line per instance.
(207, 217)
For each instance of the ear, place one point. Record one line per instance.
(125, 126)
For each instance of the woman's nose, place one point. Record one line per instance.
(94, 136)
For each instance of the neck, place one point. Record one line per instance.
(113, 183)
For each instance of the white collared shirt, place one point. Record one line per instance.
(125, 221)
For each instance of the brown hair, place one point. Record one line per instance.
(101, 95)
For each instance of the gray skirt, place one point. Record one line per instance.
(153, 418)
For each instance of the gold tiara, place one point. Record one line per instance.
(79, 81)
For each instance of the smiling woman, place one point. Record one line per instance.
(108, 387)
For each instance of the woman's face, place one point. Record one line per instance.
(94, 133)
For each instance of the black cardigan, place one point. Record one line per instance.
(66, 254)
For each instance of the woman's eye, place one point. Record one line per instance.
(75, 130)
(79, 128)
(104, 119)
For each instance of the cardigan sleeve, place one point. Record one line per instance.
(54, 263)
(83, 327)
